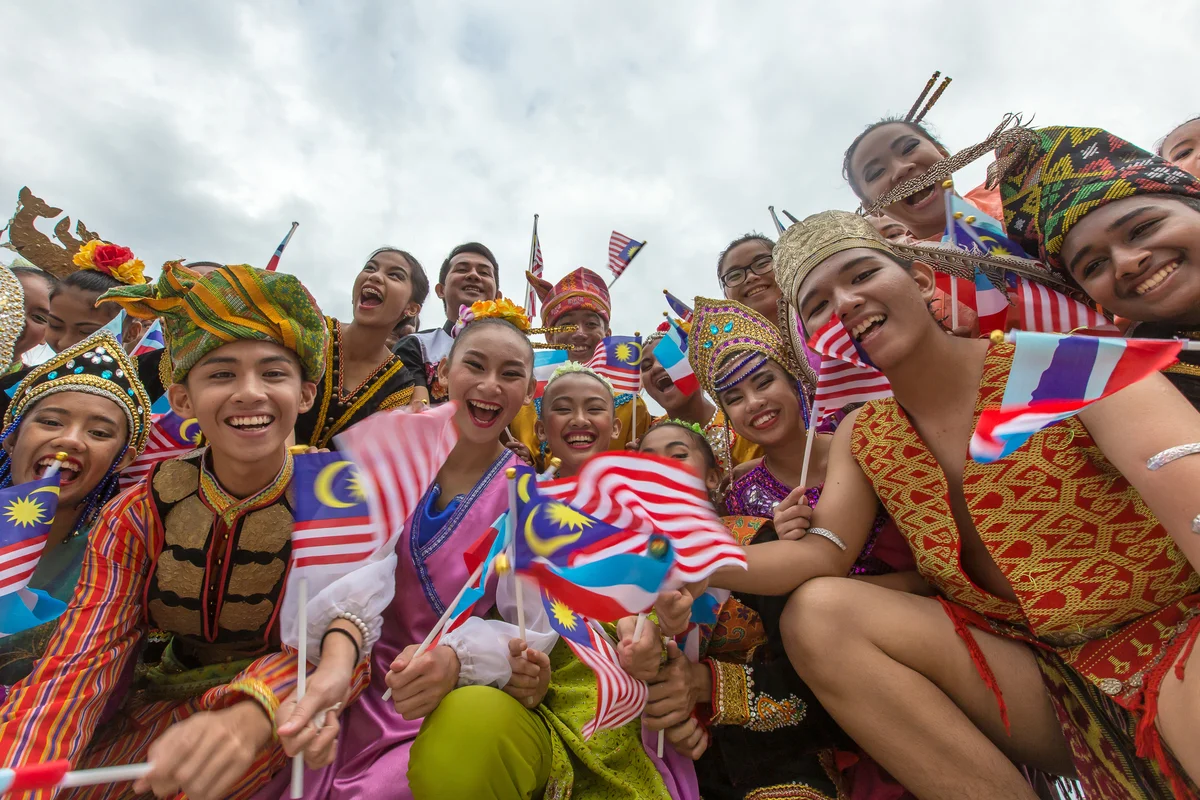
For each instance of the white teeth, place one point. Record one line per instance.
(485, 406)
(1157, 278)
(580, 438)
(239, 422)
(861, 327)
(70, 466)
(765, 418)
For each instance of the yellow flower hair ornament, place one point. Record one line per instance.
(113, 260)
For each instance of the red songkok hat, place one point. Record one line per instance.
(580, 290)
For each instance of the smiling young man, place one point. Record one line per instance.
(198, 551)
(1120, 223)
(469, 274)
(579, 300)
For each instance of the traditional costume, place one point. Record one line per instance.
(96, 366)
(1054, 177)
(581, 290)
(424, 350)
(180, 556)
(337, 408)
(1106, 611)
(765, 715)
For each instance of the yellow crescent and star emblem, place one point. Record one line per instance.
(189, 431)
(629, 353)
(27, 511)
(323, 486)
(561, 515)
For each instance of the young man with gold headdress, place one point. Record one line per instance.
(1068, 598)
(199, 552)
(579, 302)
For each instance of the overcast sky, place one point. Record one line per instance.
(201, 130)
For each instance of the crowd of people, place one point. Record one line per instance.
(910, 622)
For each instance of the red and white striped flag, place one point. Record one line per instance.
(650, 496)
(621, 250)
(846, 375)
(171, 436)
(535, 267)
(1044, 310)
(398, 454)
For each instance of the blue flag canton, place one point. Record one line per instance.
(623, 352)
(551, 529)
(182, 431)
(565, 621)
(27, 510)
(630, 250)
(328, 487)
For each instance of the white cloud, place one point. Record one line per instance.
(203, 130)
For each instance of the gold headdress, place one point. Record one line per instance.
(721, 332)
(35, 246)
(12, 315)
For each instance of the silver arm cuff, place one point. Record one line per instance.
(830, 535)
(1172, 454)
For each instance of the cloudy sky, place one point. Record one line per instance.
(201, 130)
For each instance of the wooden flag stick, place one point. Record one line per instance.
(301, 679)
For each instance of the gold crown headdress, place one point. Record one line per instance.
(36, 247)
(729, 340)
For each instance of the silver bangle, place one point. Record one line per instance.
(355, 620)
(830, 535)
(1172, 454)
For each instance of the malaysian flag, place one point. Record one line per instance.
(621, 250)
(398, 454)
(1045, 310)
(620, 698)
(332, 521)
(846, 374)
(1054, 377)
(535, 267)
(619, 358)
(26, 513)
(650, 497)
(678, 307)
(170, 436)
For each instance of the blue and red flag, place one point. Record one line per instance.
(580, 559)
(273, 264)
(26, 513)
(545, 362)
(670, 354)
(1054, 377)
(619, 358)
(152, 340)
(678, 307)
(479, 555)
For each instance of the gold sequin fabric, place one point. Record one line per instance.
(722, 330)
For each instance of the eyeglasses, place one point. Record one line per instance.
(738, 275)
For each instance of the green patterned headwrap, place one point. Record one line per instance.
(231, 304)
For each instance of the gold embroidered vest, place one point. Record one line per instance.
(217, 582)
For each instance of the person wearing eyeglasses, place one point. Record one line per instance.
(747, 277)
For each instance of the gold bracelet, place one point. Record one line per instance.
(259, 692)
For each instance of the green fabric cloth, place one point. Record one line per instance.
(57, 574)
(483, 744)
(231, 304)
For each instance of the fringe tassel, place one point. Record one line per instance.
(962, 628)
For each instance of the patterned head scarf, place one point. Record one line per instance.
(231, 304)
(729, 341)
(1053, 177)
(98, 366)
(580, 290)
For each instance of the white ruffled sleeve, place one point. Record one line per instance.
(482, 644)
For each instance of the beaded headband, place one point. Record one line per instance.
(722, 331)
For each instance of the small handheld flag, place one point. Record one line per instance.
(621, 251)
(619, 358)
(670, 355)
(535, 267)
(846, 374)
(1054, 377)
(678, 307)
(59, 775)
(332, 522)
(273, 264)
(1044, 310)
(115, 326)
(779, 228)
(544, 364)
(26, 514)
(152, 340)
(171, 436)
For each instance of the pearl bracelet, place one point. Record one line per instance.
(356, 620)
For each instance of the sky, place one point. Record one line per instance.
(202, 130)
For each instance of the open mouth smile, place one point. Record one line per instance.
(482, 413)
(868, 326)
(580, 440)
(370, 297)
(1157, 278)
(250, 423)
(68, 473)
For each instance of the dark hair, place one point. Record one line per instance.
(482, 324)
(50, 280)
(915, 127)
(469, 247)
(420, 281)
(1158, 148)
(701, 441)
(87, 280)
(753, 236)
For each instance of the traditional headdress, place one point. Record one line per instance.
(231, 304)
(729, 341)
(12, 315)
(113, 260)
(510, 312)
(1053, 177)
(37, 247)
(97, 365)
(913, 115)
(579, 290)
